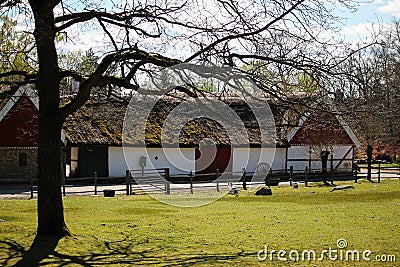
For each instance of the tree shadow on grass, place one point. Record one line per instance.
(43, 253)
(40, 249)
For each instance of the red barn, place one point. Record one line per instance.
(19, 133)
(322, 132)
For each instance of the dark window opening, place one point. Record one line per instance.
(23, 159)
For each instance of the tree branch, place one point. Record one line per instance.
(99, 79)
(25, 74)
(246, 34)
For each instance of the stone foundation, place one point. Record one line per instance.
(14, 164)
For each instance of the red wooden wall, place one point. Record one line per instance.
(19, 128)
(321, 128)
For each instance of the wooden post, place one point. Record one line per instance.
(63, 184)
(167, 184)
(286, 161)
(63, 172)
(127, 176)
(356, 173)
(306, 176)
(191, 182)
(291, 172)
(244, 179)
(398, 162)
(31, 182)
(95, 182)
(216, 178)
(379, 172)
(331, 171)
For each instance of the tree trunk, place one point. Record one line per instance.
(369, 161)
(50, 206)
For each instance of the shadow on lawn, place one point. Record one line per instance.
(118, 252)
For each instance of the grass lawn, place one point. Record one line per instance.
(138, 230)
(383, 165)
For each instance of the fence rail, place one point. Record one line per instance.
(161, 181)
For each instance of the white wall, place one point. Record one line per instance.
(74, 160)
(171, 158)
(302, 152)
(178, 160)
(243, 159)
(338, 153)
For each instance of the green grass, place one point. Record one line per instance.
(140, 231)
(393, 165)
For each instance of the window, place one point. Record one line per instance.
(23, 159)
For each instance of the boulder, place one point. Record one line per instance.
(265, 191)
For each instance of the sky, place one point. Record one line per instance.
(369, 16)
(357, 26)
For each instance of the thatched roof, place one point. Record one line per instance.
(5, 95)
(100, 122)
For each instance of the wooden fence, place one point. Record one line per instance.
(161, 181)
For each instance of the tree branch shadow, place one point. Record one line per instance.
(40, 249)
(43, 252)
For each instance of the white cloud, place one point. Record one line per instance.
(392, 8)
(362, 32)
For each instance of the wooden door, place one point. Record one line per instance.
(222, 160)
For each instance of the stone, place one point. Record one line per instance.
(265, 191)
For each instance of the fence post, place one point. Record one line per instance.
(331, 170)
(191, 182)
(291, 172)
(398, 162)
(63, 184)
(356, 173)
(167, 184)
(128, 180)
(216, 177)
(31, 182)
(306, 176)
(244, 178)
(95, 182)
(379, 172)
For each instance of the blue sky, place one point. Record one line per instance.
(368, 16)
(375, 11)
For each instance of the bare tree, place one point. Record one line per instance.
(369, 94)
(142, 35)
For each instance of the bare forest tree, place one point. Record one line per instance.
(370, 94)
(140, 36)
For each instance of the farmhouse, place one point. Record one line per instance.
(94, 139)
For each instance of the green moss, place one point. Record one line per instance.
(113, 133)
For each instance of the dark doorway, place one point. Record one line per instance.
(93, 159)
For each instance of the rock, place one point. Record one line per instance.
(264, 192)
